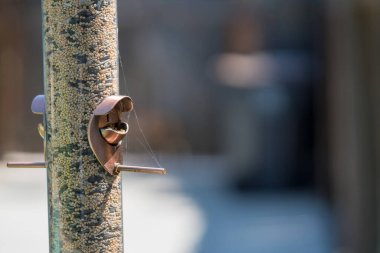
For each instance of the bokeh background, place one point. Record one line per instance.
(265, 112)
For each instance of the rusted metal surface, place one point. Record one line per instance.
(119, 103)
(114, 134)
(102, 141)
(106, 132)
(109, 111)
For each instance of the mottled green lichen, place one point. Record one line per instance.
(80, 62)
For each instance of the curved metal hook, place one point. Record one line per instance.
(104, 140)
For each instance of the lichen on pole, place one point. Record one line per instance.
(80, 69)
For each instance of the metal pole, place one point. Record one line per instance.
(80, 69)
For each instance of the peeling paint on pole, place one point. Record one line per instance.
(81, 68)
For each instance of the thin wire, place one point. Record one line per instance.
(147, 145)
(145, 142)
(123, 74)
(125, 82)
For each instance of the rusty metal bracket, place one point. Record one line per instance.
(106, 132)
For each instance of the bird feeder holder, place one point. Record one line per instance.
(106, 132)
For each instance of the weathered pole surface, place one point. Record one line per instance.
(80, 69)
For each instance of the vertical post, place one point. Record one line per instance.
(80, 69)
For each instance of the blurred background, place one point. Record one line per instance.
(264, 112)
